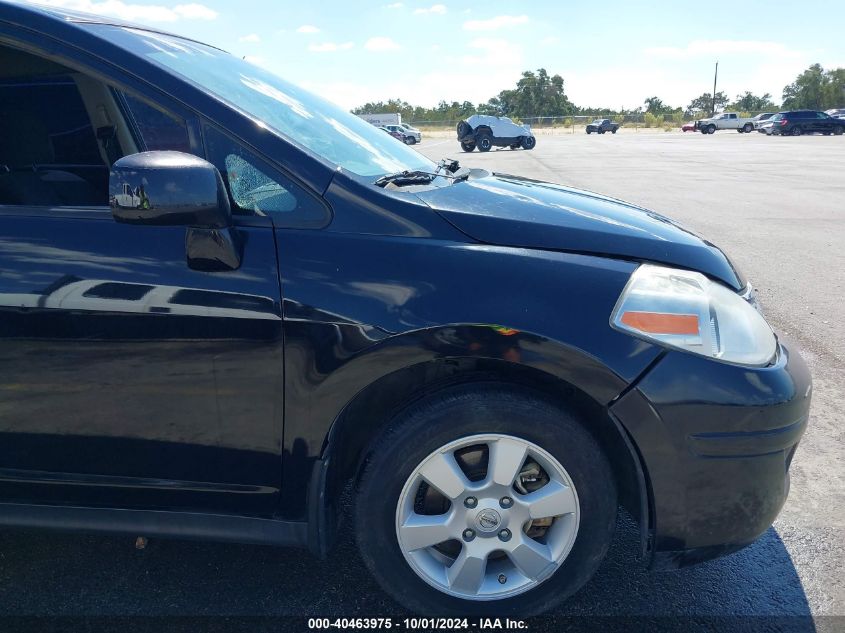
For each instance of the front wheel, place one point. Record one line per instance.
(484, 143)
(838, 130)
(748, 128)
(614, 130)
(711, 129)
(484, 499)
(528, 142)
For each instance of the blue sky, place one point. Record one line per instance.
(612, 54)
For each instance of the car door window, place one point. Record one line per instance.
(49, 152)
(156, 129)
(256, 188)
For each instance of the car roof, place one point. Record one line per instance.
(80, 18)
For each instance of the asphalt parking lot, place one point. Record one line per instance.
(777, 206)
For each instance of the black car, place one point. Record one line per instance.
(224, 302)
(600, 126)
(798, 122)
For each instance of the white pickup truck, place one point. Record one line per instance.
(725, 121)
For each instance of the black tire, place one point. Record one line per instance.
(463, 129)
(457, 412)
(602, 131)
(797, 131)
(484, 142)
(589, 131)
(711, 129)
(748, 128)
(412, 140)
(614, 130)
(528, 142)
(838, 130)
(740, 130)
(467, 147)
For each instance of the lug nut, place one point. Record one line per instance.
(502, 579)
(469, 535)
(506, 502)
(470, 502)
(505, 535)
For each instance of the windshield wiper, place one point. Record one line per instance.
(419, 177)
(407, 177)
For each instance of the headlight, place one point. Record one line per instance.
(687, 311)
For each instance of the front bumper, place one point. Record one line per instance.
(716, 442)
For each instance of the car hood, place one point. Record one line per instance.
(512, 211)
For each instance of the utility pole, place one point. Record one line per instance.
(715, 76)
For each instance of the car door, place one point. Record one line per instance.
(823, 122)
(128, 378)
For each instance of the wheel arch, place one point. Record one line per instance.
(368, 412)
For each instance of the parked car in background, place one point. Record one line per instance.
(397, 135)
(798, 122)
(485, 131)
(765, 127)
(600, 126)
(689, 127)
(762, 118)
(412, 130)
(268, 319)
(838, 113)
(725, 121)
(404, 135)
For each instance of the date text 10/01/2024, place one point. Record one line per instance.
(487, 624)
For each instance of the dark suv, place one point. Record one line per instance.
(600, 126)
(224, 302)
(798, 122)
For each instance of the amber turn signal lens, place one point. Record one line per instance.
(661, 323)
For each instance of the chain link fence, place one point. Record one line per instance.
(577, 123)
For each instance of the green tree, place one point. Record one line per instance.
(816, 89)
(807, 91)
(748, 102)
(704, 104)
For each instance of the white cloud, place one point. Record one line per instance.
(307, 29)
(137, 12)
(380, 44)
(251, 38)
(502, 60)
(330, 47)
(715, 48)
(498, 22)
(438, 9)
(549, 41)
(395, 5)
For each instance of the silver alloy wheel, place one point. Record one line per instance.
(489, 519)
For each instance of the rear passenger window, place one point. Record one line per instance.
(157, 129)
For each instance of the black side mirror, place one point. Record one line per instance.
(176, 189)
(166, 189)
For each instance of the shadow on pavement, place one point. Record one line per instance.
(69, 575)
